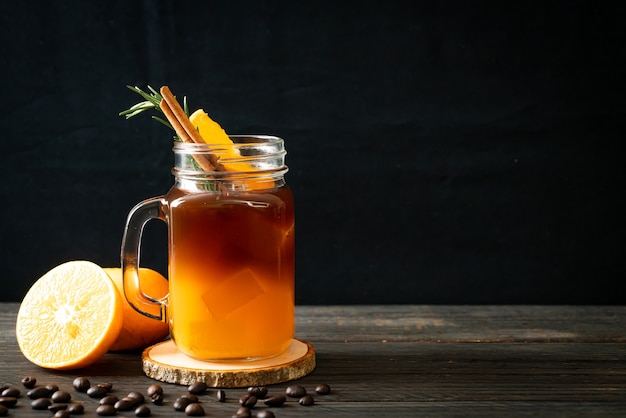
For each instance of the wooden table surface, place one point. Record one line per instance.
(408, 361)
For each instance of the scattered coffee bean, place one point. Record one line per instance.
(243, 412)
(194, 410)
(197, 388)
(295, 391)
(63, 413)
(52, 387)
(265, 414)
(306, 400)
(134, 399)
(57, 407)
(81, 384)
(106, 410)
(76, 409)
(97, 392)
(221, 395)
(109, 400)
(4, 411)
(8, 401)
(38, 392)
(275, 400)
(136, 395)
(41, 403)
(11, 392)
(108, 386)
(259, 391)
(193, 398)
(125, 404)
(157, 398)
(142, 411)
(181, 403)
(322, 389)
(248, 401)
(154, 389)
(61, 396)
(29, 382)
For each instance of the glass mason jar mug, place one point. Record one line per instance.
(230, 222)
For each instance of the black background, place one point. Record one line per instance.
(439, 152)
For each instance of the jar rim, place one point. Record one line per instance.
(239, 141)
(248, 156)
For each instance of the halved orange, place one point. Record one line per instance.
(139, 331)
(69, 317)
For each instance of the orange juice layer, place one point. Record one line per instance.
(232, 273)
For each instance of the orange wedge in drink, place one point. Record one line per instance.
(69, 317)
(209, 130)
(215, 136)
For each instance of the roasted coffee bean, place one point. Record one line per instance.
(125, 404)
(221, 395)
(29, 382)
(134, 399)
(41, 403)
(194, 410)
(142, 411)
(109, 400)
(107, 385)
(38, 392)
(76, 409)
(136, 395)
(295, 391)
(197, 388)
(61, 396)
(248, 401)
(306, 400)
(193, 398)
(181, 403)
(259, 391)
(57, 407)
(63, 413)
(106, 410)
(11, 392)
(265, 414)
(275, 400)
(243, 412)
(157, 398)
(52, 387)
(8, 401)
(322, 389)
(154, 389)
(81, 384)
(97, 392)
(4, 411)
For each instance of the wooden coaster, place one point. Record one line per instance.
(165, 363)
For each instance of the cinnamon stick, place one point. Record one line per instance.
(180, 131)
(185, 129)
(180, 115)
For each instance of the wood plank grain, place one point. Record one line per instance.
(401, 377)
(380, 363)
(419, 323)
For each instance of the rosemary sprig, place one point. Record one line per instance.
(152, 102)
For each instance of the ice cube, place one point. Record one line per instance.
(236, 291)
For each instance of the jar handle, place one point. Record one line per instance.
(131, 247)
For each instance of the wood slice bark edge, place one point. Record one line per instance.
(290, 370)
